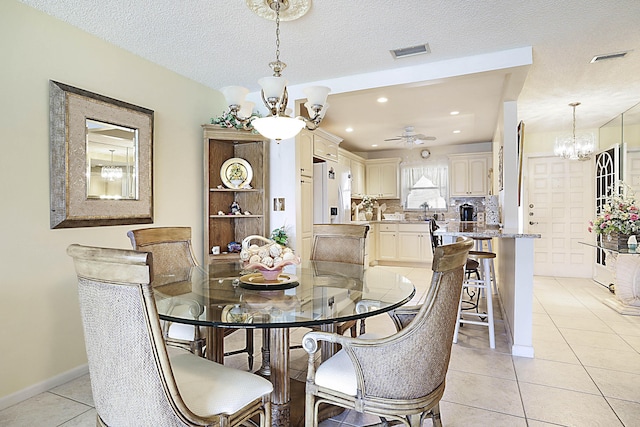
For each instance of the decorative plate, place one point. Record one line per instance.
(236, 173)
(257, 281)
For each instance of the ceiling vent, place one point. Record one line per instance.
(410, 51)
(599, 58)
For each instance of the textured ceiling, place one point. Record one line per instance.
(223, 43)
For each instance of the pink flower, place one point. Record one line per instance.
(607, 217)
(603, 226)
(590, 229)
(633, 217)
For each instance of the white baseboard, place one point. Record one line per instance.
(46, 385)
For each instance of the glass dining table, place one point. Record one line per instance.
(317, 293)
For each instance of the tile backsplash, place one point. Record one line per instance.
(452, 212)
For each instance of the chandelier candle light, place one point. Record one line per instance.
(277, 125)
(574, 147)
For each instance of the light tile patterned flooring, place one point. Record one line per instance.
(586, 371)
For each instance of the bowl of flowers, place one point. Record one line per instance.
(269, 258)
(618, 219)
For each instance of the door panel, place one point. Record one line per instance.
(559, 207)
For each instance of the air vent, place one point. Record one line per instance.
(410, 51)
(599, 58)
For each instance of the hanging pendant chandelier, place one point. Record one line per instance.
(575, 147)
(277, 125)
(111, 172)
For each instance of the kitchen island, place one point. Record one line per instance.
(514, 274)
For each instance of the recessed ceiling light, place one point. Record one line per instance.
(454, 113)
(456, 131)
(349, 129)
(374, 145)
(382, 99)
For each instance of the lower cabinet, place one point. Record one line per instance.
(404, 243)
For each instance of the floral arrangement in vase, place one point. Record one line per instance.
(368, 203)
(227, 120)
(620, 214)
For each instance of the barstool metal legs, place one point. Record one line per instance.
(484, 283)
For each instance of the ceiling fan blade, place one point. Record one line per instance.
(393, 139)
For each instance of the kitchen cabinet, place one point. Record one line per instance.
(357, 178)
(382, 178)
(414, 243)
(325, 145)
(469, 175)
(356, 165)
(404, 243)
(304, 149)
(305, 218)
(387, 240)
(221, 145)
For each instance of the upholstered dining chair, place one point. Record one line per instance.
(137, 380)
(341, 243)
(400, 377)
(173, 254)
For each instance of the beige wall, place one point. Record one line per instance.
(40, 328)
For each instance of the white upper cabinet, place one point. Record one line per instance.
(382, 178)
(469, 174)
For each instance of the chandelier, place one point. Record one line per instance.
(277, 124)
(110, 172)
(575, 147)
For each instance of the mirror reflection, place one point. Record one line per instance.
(112, 160)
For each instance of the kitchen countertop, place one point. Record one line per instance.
(475, 229)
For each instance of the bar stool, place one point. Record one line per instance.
(479, 246)
(484, 319)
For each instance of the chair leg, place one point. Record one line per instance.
(414, 420)
(455, 332)
(250, 348)
(435, 415)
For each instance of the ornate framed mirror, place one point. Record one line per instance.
(101, 152)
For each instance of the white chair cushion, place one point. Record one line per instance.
(210, 388)
(337, 372)
(181, 331)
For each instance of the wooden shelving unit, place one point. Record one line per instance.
(219, 146)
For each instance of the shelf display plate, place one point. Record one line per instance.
(236, 173)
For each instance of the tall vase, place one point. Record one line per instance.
(368, 215)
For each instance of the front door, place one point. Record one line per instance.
(559, 206)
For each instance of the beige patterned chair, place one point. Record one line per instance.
(341, 243)
(134, 380)
(400, 377)
(173, 254)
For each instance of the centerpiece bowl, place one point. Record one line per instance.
(269, 259)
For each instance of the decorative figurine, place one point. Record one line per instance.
(235, 208)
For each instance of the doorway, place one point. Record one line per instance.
(559, 206)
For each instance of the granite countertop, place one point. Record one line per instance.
(474, 229)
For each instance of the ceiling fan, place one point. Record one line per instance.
(411, 138)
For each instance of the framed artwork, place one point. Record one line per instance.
(101, 152)
(520, 149)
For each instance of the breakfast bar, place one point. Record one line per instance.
(514, 274)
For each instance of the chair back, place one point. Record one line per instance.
(424, 346)
(435, 240)
(171, 248)
(339, 243)
(131, 378)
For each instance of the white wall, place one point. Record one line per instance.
(41, 333)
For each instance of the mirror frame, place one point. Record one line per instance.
(69, 108)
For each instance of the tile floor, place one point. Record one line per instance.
(586, 371)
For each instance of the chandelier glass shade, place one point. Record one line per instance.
(575, 147)
(277, 125)
(111, 172)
